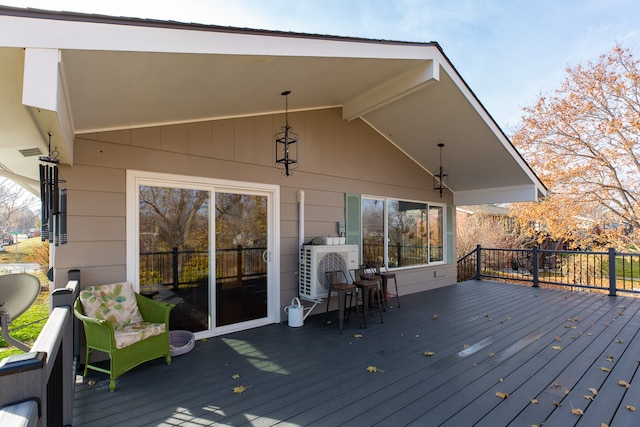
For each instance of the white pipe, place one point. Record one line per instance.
(300, 219)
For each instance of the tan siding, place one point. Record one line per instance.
(93, 203)
(96, 228)
(144, 137)
(243, 141)
(174, 138)
(199, 139)
(263, 146)
(222, 139)
(335, 156)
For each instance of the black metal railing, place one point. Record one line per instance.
(178, 269)
(608, 271)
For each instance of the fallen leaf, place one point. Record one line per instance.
(602, 368)
(558, 404)
(577, 411)
(501, 395)
(566, 391)
(356, 336)
(429, 353)
(465, 346)
(594, 391)
(434, 317)
(619, 341)
(624, 383)
(557, 339)
(588, 397)
(501, 380)
(235, 376)
(609, 358)
(631, 408)
(604, 425)
(491, 354)
(556, 347)
(239, 389)
(372, 369)
(91, 382)
(534, 401)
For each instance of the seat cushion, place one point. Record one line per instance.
(115, 302)
(131, 334)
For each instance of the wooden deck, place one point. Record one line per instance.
(545, 348)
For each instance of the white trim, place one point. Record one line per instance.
(23, 32)
(516, 193)
(136, 177)
(385, 201)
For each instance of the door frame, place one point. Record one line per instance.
(135, 178)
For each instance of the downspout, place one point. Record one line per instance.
(300, 219)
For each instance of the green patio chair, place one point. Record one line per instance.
(128, 327)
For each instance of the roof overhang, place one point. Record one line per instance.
(69, 74)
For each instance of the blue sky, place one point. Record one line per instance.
(508, 51)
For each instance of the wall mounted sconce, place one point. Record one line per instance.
(287, 142)
(440, 180)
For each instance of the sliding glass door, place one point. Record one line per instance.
(206, 247)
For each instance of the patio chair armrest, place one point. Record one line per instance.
(154, 311)
(99, 332)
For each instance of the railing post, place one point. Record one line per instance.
(239, 263)
(612, 272)
(478, 262)
(534, 266)
(174, 257)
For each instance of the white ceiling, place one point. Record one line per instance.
(115, 73)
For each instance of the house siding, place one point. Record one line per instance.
(335, 157)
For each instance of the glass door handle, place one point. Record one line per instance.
(266, 256)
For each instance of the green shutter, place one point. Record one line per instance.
(450, 233)
(353, 216)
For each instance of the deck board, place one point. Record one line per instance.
(314, 376)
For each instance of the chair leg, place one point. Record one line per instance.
(397, 293)
(380, 305)
(342, 301)
(326, 314)
(86, 363)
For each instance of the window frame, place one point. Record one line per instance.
(428, 205)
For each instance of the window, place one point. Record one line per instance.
(402, 233)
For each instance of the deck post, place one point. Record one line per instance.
(478, 262)
(534, 266)
(612, 272)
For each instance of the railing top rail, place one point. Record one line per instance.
(558, 251)
(565, 251)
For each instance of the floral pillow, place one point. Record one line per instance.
(115, 302)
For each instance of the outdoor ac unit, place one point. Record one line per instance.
(316, 260)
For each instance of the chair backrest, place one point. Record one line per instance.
(359, 273)
(115, 302)
(336, 277)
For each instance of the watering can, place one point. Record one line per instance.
(295, 311)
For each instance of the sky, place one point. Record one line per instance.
(510, 52)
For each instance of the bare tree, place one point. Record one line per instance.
(14, 207)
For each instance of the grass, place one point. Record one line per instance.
(27, 327)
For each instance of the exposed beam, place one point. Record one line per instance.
(44, 96)
(395, 88)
